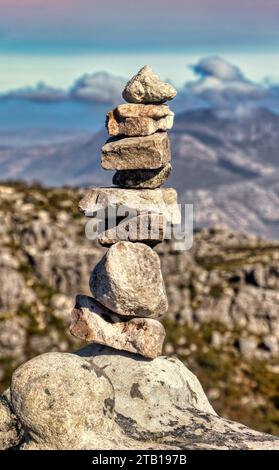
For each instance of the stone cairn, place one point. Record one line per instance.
(127, 285)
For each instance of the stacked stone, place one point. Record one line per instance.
(127, 286)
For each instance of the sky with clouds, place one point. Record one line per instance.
(57, 41)
(219, 53)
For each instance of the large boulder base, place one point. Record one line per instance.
(64, 403)
(99, 399)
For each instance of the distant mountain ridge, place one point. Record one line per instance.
(226, 165)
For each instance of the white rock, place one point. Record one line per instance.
(128, 281)
(92, 322)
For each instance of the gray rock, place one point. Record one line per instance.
(247, 346)
(146, 228)
(124, 111)
(142, 179)
(12, 281)
(271, 343)
(138, 119)
(61, 401)
(128, 280)
(147, 87)
(162, 400)
(67, 401)
(93, 322)
(10, 430)
(154, 394)
(136, 201)
(137, 126)
(66, 270)
(136, 153)
(64, 402)
(13, 338)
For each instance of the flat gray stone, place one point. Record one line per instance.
(93, 322)
(153, 111)
(66, 403)
(140, 125)
(146, 228)
(137, 153)
(128, 281)
(142, 179)
(137, 201)
(139, 119)
(147, 87)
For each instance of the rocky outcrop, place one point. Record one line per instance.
(222, 269)
(67, 401)
(235, 306)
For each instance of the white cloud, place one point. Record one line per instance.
(223, 84)
(41, 92)
(218, 84)
(219, 68)
(100, 87)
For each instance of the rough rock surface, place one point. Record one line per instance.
(163, 400)
(138, 119)
(137, 126)
(147, 87)
(61, 401)
(94, 322)
(231, 268)
(10, 277)
(128, 280)
(152, 111)
(154, 394)
(146, 228)
(10, 429)
(83, 401)
(136, 153)
(64, 402)
(163, 201)
(142, 179)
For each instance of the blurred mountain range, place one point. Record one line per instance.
(228, 166)
(224, 142)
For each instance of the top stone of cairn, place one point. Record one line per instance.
(146, 87)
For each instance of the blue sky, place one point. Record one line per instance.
(56, 41)
(66, 43)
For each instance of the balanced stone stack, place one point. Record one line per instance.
(127, 286)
